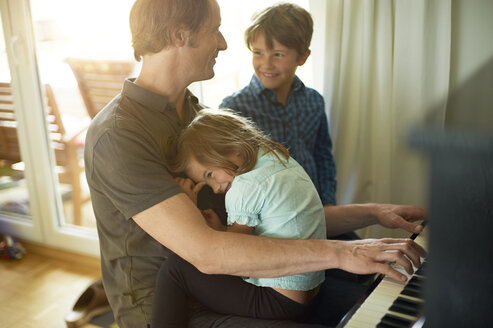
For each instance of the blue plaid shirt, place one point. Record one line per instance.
(301, 126)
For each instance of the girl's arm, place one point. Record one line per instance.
(214, 222)
(240, 228)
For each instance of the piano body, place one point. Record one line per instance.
(457, 286)
(391, 303)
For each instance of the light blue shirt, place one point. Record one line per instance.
(301, 126)
(280, 201)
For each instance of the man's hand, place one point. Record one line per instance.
(189, 187)
(399, 216)
(375, 255)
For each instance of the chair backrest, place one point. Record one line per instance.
(9, 144)
(99, 81)
(66, 144)
(56, 129)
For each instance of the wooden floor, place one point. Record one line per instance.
(39, 289)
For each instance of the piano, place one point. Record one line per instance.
(389, 303)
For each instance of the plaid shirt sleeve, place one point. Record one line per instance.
(325, 163)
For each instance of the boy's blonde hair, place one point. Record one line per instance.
(215, 134)
(287, 23)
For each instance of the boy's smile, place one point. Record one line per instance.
(276, 67)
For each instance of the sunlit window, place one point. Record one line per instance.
(84, 54)
(70, 34)
(94, 29)
(90, 29)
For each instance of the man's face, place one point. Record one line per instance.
(205, 46)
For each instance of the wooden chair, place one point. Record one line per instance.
(99, 81)
(65, 142)
(9, 145)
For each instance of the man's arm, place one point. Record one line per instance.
(344, 218)
(179, 225)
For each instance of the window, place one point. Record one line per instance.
(97, 31)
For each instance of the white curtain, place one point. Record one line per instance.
(386, 64)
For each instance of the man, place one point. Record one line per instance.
(142, 213)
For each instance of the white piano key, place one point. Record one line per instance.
(377, 304)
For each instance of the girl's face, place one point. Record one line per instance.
(218, 179)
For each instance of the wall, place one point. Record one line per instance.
(471, 76)
(472, 43)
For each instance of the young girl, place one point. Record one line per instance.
(267, 194)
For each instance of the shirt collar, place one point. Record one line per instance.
(263, 156)
(258, 87)
(298, 84)
(153, 100)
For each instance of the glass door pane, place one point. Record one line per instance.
(46, 150)
(83, 55)
(14, 195)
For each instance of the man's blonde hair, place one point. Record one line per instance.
(287, 23)
(215, 134)
(152, 22)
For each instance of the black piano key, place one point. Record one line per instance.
(405, 306)
(415, 280)
(404, 310)
(395, 321)
(421, 270)
(415, 283)
(413, 287)
(418, 303)
(384, 325)
(411, 292)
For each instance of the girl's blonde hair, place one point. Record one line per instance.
(215, 134)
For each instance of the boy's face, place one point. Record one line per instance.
(275, 67)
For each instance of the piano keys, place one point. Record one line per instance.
(391, 303)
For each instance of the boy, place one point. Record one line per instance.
(279, 102)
